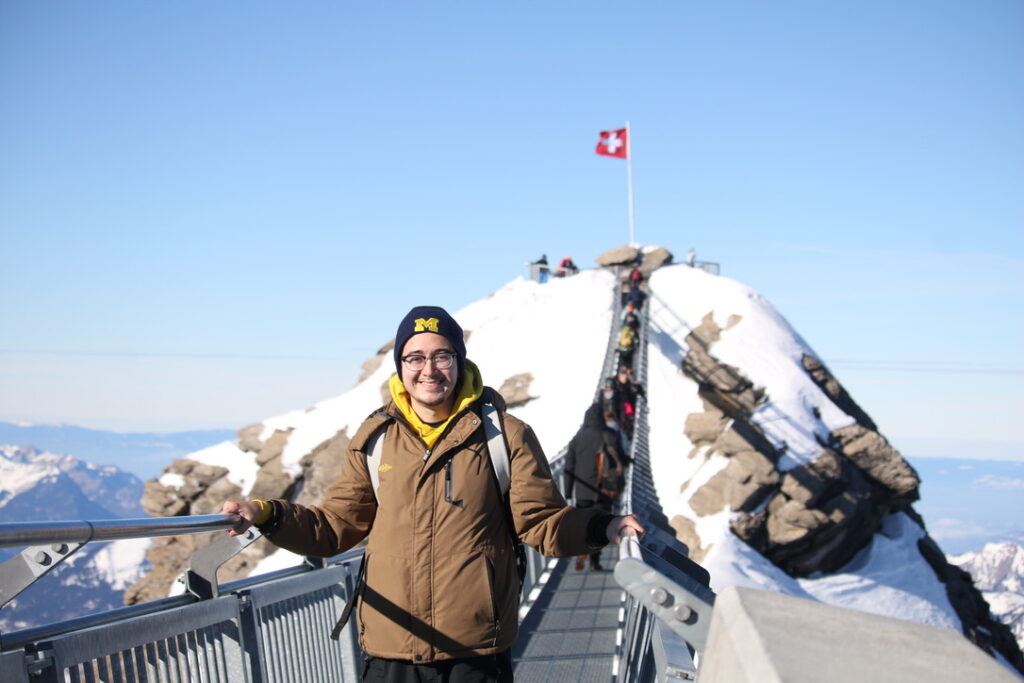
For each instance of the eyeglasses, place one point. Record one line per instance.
(442, 360)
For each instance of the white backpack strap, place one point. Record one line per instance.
(496, 447)
(374, 453)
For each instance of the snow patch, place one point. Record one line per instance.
(171, 480)
(241, 466)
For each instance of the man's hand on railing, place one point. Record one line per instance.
(247, 510)
(620, 527)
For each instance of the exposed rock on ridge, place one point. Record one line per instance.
(196, 488)
(821, 376)
(629, 255)
(202, 490)
(818, 515)
(516, 390)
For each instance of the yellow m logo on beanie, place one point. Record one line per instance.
(430, 324)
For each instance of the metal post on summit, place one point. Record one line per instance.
(619, 144)
(629, 183)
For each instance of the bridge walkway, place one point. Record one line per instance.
(574, 630)
(571, 632)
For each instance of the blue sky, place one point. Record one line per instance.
(211, 213)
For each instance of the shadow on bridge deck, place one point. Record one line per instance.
(570, 633)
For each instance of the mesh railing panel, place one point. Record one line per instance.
(278, 629)
(152, 648)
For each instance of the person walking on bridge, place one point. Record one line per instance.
(627, 391)
(594, 468)
(439, 594)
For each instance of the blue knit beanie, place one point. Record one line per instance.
(430, 319)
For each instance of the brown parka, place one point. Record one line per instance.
(440, 577)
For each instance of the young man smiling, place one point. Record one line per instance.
(440, 595)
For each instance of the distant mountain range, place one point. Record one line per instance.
(144, 454)
(41, 486)
(998, 571)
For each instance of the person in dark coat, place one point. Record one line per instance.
(626, 392)
(627, 389)
(583, 467)
(542, 268)
(610, 401)
(635, 297)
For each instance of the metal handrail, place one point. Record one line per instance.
(629, 547)
(16, 535)
(17, 639)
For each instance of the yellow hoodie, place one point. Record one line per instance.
(470, 389)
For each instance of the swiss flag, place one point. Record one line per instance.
(612, 143)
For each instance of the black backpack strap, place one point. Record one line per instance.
(372, 451)
(357, 592)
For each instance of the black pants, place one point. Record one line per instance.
(603, 505)
(484, 669)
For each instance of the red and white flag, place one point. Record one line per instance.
(613, 143)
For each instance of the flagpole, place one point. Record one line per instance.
(629, 183)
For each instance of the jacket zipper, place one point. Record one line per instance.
(362, 589)
(448, 481)
(494, 602)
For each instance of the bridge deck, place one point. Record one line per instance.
(570, 634)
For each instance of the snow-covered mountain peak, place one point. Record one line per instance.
(38, 485)
(21, 469)
(997, 567)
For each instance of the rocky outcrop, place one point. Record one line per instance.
(249, 438)
(619, 256)
(371, 365)
(822, 514)
(703, 429)
(320, 468)
(201, 489)
(719, 384)
(516, 390)
(814, 517)
(869, 450)
(629, 255)
(686, 531)
(741, 485)
(194, 488)
(654, 259)
(821, 376)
